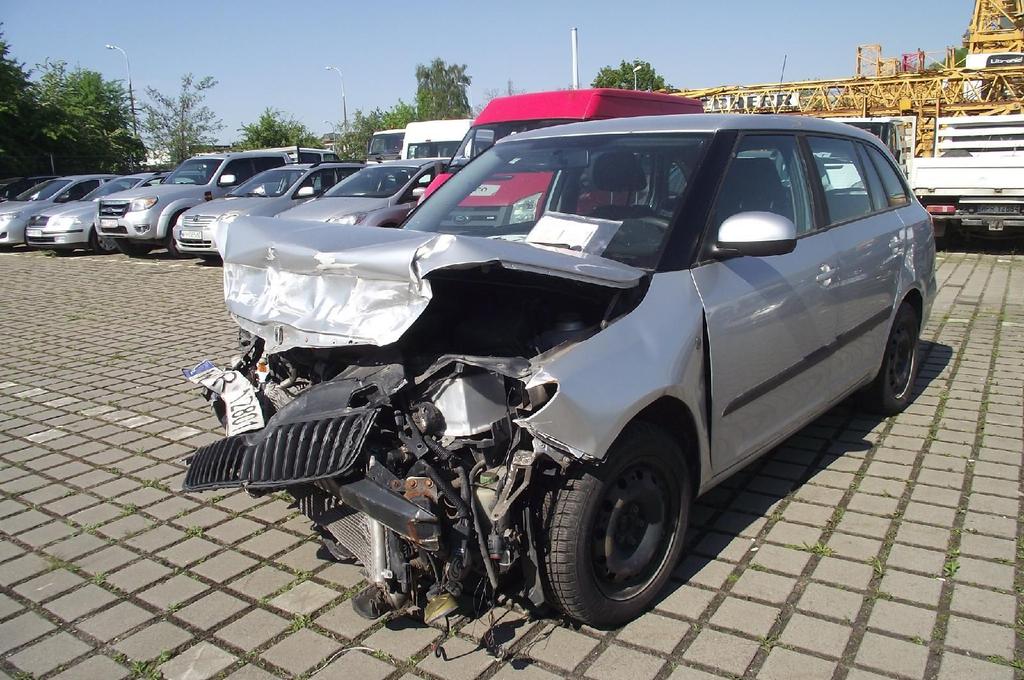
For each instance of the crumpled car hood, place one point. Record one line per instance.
(309, 284)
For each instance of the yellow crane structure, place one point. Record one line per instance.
(907, 86)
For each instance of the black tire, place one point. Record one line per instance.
(893, 388)
(169, 243)
(132, 249)
(101, 245)
(612, 534)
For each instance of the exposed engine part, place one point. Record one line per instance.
(471, 403)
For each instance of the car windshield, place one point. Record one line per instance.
(433, 149)
(270, 183)
(386, 144)
(377, 181)
(611, 195)
(112, 187)
(43, 190)
(194, 171)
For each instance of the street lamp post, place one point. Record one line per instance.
(131, 93)
(344, 109)
(635, 69)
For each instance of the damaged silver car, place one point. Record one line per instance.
(523, 402)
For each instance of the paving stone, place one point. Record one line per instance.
(252, 630)
(749, 617)
(656, 632)
(727, 652)
(786, 560)
(256, 673)
(684, 600)
(49, 653)
(465, 661)
(138, 575)
(80, 602)
(353, 665)
(305, 598)
(175, 590)
(923, 589)
(269, 543)
(301, 651)
(401, 638)
(891, 655)
(916, 559)
(984, 604)
(222, 567)
(983, 639)
(763, 586)
(48, 585)
(112, 622)
(22, 629)
(816, 635)
(783, 664)
(344, 620)
(210, 610)
(687, 673)
(234, 530)
(199, 662)
(561, 647)
(829, 601)
(842, 572)
(262, 582)
(985, 573)
(93, 668)
(902, 619)
(959, 667)
(617, 662)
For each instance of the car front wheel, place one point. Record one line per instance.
(101, 245)
(613, 533)
(893, 388)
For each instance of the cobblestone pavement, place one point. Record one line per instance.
(860, 549)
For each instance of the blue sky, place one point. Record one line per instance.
(267, 53)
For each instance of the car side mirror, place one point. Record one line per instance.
(418, 191)
(304, 192)
(63, 198)
(757, 234)
(226, 180)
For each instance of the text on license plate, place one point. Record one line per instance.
(192, 234)
(33, 232)
(108, 221)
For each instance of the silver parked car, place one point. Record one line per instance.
(16, 213)
(527, 401)
(267, 194)
(70, 226)
(141, 219)
(379, 195)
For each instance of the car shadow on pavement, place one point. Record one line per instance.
(726, 521)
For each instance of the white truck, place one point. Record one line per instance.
(434, 138)
(974, 183)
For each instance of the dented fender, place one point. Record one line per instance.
(605, 381)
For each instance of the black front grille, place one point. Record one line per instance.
(41, 239)
(113, 208)
(281, 455)
(114, 230)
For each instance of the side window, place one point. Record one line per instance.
(267, 162)
(766, 175)
(241, 168)
(78, 191)
(878, 200)
(421, 183)
(308, 157)
(895, 189)
(846, 193)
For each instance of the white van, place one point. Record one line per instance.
(434, 138)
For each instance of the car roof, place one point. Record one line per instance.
(221, 155)
(76, 178)
(696, 122)
(410, 162)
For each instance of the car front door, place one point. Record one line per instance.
(869, 244)
(768, 318)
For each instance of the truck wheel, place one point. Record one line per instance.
(101, 245)
(132, 249)
(893, 388)
(614, 532)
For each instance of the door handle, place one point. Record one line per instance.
(825, 274)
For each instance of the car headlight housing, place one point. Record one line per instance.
(62, 222)
(351, 218)
(7, 217)
(525, 209)
(143, 203)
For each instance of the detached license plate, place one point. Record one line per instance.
(243, 412)
(33, 232)
(191, 235)
(108, 222)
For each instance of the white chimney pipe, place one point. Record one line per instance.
(575, 61)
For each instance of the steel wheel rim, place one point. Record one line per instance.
(900, 360)
(633, 530)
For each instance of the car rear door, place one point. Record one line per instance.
(768, 318)
(867, 232)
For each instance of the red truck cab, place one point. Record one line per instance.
(504, 116)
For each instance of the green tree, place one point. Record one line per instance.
(87, 120)
(22, 146)
(177, 124)
(621, 77)
(273, 129)
(353, 143)
(441, 91)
